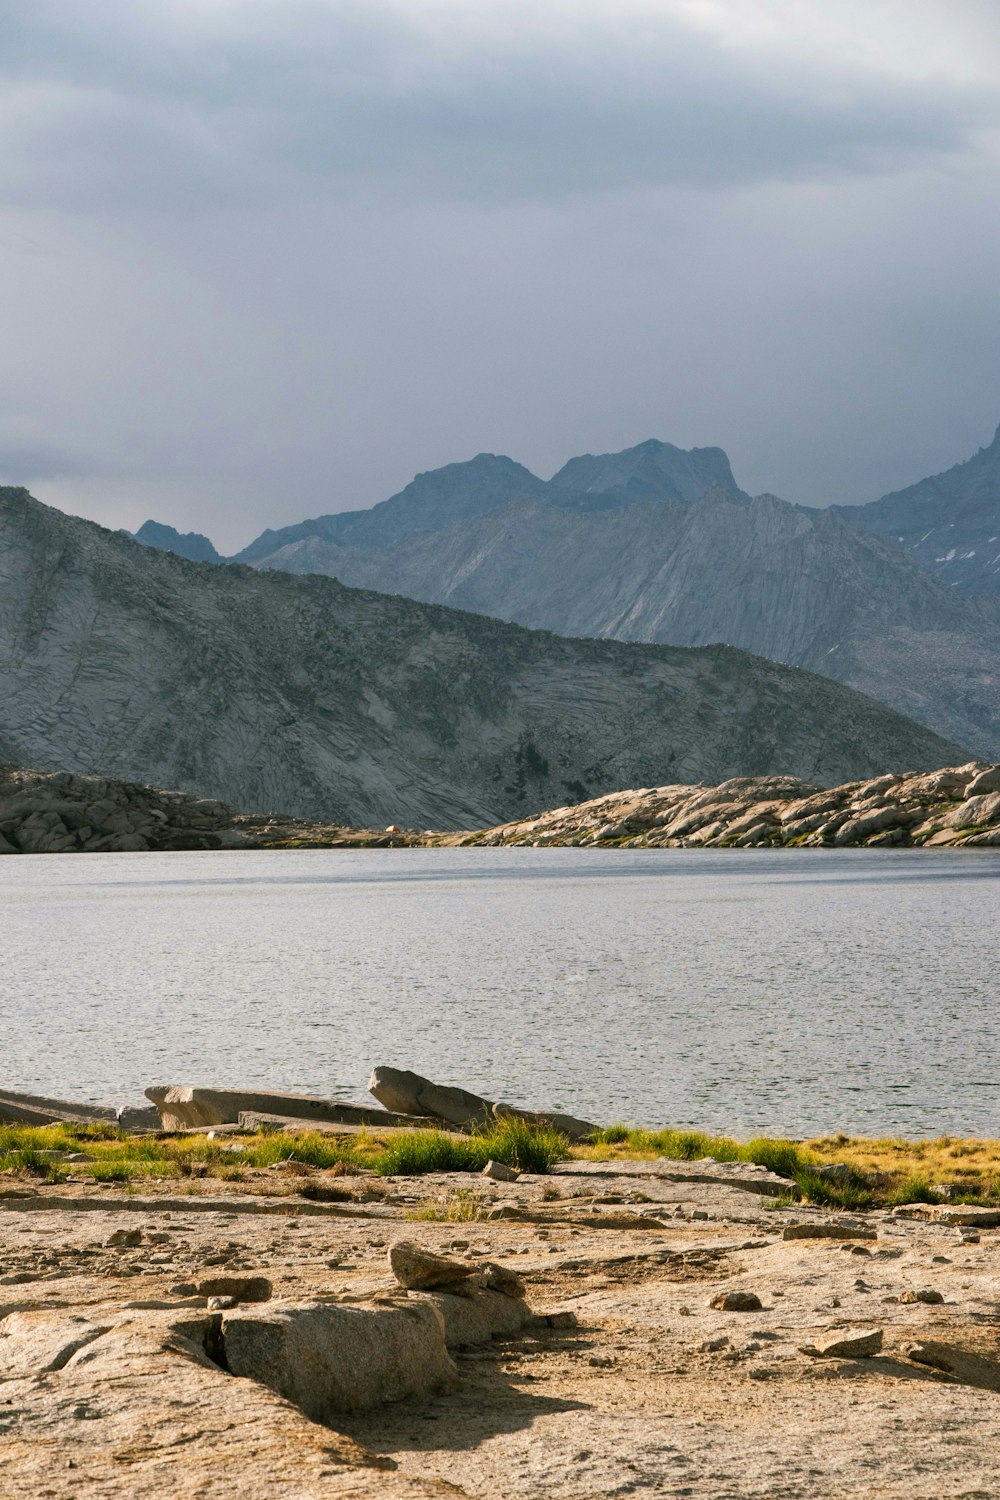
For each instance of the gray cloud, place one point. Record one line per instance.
(261, 260)
(247, 103)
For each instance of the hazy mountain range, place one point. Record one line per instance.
(297, 693)
(900, 599)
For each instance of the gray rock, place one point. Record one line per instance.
(410, 1093)
(182, 1107)
(818, 1231)
(849, 1344)
(421, 1270)
(240, 1288)
(499, 1172)
(332, 1359)
(737, 1302)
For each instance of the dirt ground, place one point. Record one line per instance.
(106, 1391)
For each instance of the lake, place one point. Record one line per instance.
(791, 991)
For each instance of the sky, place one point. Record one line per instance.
(266, 259)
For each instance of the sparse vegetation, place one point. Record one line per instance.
(873, 1172)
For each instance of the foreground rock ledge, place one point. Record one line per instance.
(60, 813)
(671, 1339)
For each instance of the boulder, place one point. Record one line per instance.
(182, 1107)
(329, 1359)
(986, 781)
(409, 1093)
(420, 1270)
(737, 1302)
(846, 1344)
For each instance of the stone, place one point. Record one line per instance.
(497, 1278)
(181, 1107)
(500, 1172)
(969, 1368)
(125, 1238)
(563, 1320)
(818, 1231)
(737, 1302)
(329, 1359)
(986, 781)
(421, 1270)
(240, 1288)
(923, 1294)
(409, 1093)
(35, 1109)
(848, 1344)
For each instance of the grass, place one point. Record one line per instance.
(463, 1207)
(104, 1154)
(887, 1171)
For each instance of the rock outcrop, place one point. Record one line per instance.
(957, 805)
(61, 813)
(408, 1093)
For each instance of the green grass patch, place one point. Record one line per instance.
(786, 1158)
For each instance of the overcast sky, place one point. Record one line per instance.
(264, 259)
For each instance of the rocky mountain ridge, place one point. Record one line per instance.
(949, 523)
(60, 813)
(272, 691)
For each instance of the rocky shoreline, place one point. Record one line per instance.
(291, 1330)
(62, 813)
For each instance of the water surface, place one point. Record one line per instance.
(792, 990)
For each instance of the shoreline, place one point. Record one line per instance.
(954, 807)
(297, 1326)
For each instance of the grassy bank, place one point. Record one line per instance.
(103, 1154)
(835, 1171)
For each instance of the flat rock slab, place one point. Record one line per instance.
(846, 1344)
(747, 1176)
(960, 1364)
(182, 1107)
(840, 1230)
(36, 1109)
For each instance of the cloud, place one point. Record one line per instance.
(236, 103)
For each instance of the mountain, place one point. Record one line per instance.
(949, 523)
(801, 587)
(439, 498)
(465, 491)
(650, 471)
(276, 691)
(189, 544)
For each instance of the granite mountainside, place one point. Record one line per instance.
(298, 693)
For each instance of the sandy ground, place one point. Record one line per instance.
(104, 1394)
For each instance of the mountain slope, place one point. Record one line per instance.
(274, 691)
(802, 587)
(949, 523)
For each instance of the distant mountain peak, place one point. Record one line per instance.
(189, 544)
(652, 470)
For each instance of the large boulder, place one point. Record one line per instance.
(409, 1093)
(182, 1107)
(329, 1359)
